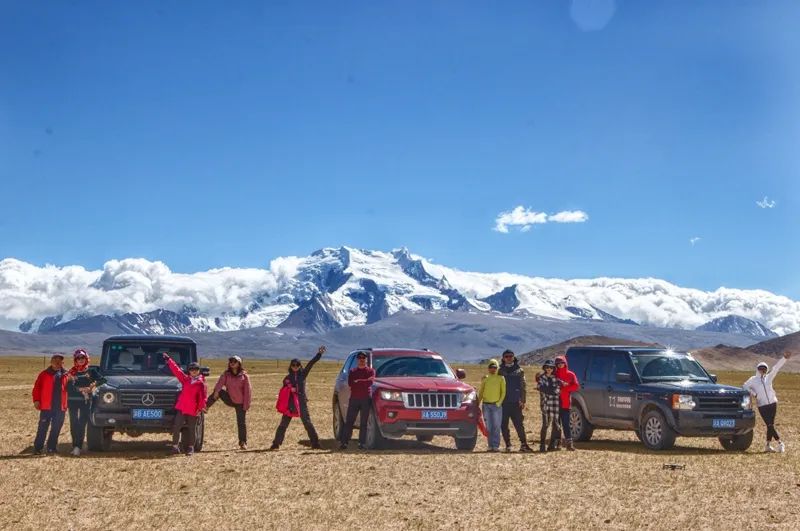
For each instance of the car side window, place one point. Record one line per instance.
(598, 367)
(620, 364)
(348, 364)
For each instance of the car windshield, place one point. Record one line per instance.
(668, 366)
(143, 358)
(411, 366)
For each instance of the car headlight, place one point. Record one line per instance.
(683, 402)
(395, 396)
(468, 397)
(747, 402)
(109, 397)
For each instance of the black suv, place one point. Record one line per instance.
(659, 394)
(140, 391)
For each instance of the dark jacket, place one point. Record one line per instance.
(298, 379)
(83, 379)
(516, 388)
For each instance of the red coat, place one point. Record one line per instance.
(43, 389)
(288, 404)
(193, 395)
(571, 385)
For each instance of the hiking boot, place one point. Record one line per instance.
(242, 446)
(343, 446)
(274, 446)
(76, 452)
(542, 447)
(362, 447)
(175, 450)
(508, 448)
(316, 446)
(525, 448)
(190, 451)
(570, 446)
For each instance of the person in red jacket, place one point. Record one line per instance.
(191, 402)
(50, 398)
(360, 380)
(569, 384)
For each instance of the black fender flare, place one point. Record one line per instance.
(649, 405)
(578, 400)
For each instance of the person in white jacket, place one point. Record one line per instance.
(760, 386)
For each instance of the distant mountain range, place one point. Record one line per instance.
(344, 287)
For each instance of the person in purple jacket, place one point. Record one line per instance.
(234, 389)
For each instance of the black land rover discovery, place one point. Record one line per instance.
(140, 391)
(657, 393)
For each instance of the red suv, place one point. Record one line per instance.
(415, 393)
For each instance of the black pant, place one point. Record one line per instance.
(48, 419)
(768, 413)
(241, 422)
(565, 428)
(512, 411)
(280, 433)
(78, 419)
(190, 421)
(356, 406)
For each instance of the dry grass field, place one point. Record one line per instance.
(611, 482)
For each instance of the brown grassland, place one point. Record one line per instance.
(611, 482)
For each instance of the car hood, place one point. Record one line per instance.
(150, 381)
(422, 383)
(692, 387)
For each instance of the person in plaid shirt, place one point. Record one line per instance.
(549, 392)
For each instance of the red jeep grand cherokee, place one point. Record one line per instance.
(415, 393)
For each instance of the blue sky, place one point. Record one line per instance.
(231, 134)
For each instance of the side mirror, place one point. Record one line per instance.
(461, 374)
(624, 377)
(205, 371)
(713, 378)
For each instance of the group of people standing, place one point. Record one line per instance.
(503, 395)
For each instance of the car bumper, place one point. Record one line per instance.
(121, 420)
(396, 421)
(701, 423)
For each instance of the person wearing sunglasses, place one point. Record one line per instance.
(81, 383)
(514, 401)
(491, 394)
(191, 402)
(360, 380)
(234, 389)
(760, 385)
(569, 384)
(295, 381)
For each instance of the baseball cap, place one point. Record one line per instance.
(235, 358)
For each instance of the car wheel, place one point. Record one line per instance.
(580, 428)
(656, 433)
(374, 438)
(466, 443)
(737, 443)
(98, 439)
(199, 433)
(424, 438)
(337, 419)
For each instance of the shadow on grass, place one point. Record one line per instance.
(390, 446)
(636, 447)
(130, 450)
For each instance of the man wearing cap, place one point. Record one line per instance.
(360, 380)
(491, 393)
(234, 389)
(760, 385)
(514, 402)
(50, 398)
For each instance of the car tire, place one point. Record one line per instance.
(580, 428)
(657, 434)
(466, 443)
(424, 438)
(374, 439)
(200, 433)
(98, 439)
(737, 443)
(338, 422)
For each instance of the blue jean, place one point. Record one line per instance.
(493, 417)
(48, 419)
(565, 427)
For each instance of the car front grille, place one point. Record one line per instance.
(432, 400)
(718, 402)
(161, 399)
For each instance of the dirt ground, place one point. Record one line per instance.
(611, 482)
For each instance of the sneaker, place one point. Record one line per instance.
(781, 447)
(362, 447)
(343, 446)
(37, 451)
(242, 446)
(508, 448)
(769, 448)
(525, 448)
(190, 452)
(274, 446)
(76, 452)
(494, 450)
(174, 450)
(52, 452)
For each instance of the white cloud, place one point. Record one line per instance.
(525, 218)
(766, 203)
(694, 240)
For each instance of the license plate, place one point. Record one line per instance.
(723, 423)
(147, 414)
(438, 415)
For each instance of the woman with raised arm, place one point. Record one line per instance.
(293, 398)
(191, 401)
(760, 385)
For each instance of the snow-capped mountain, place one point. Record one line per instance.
(736, 324)
(343, 287)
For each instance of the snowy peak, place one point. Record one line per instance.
(736, 324)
